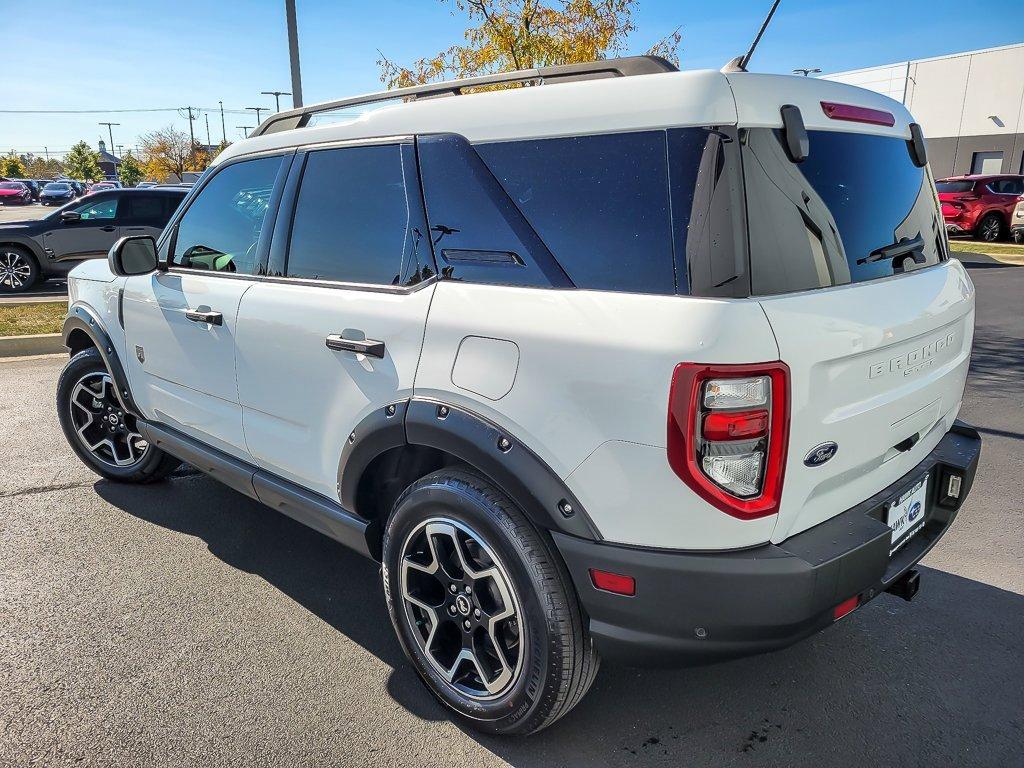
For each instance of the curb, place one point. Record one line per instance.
(31, 344)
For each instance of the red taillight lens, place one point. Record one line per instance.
(731, 454)
(613, 582)
(742, 425)
(856, 114)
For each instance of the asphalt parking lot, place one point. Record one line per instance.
(182, 624)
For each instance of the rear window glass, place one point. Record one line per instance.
(954, 186)
(856, 209)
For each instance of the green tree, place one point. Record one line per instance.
(130, 172)
(82, 162)
(11, 166)
(506, 35)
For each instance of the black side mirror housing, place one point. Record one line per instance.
(794, 133)
(133, 256)
(70, 217)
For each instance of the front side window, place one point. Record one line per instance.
(101, 209)
(221, 229)
(353, 221)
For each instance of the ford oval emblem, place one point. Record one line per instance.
(819, 454)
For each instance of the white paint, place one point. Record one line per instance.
(486, 367)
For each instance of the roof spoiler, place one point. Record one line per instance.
(627, 66)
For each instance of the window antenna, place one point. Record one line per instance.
(739, 64)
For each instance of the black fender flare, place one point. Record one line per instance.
(27, 243)
(81, 318)
(478, 442)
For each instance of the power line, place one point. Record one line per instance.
(106, 111)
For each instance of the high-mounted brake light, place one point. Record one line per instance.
(728, 432)
(855, 114)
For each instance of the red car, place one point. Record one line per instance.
(15, 192)
(981, 206)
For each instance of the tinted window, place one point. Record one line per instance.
(221, 229)
(951, 187)
(833, 218)
(1006, 187)
(599, 203)
(146, 208)
(353, 221)
(55, 188)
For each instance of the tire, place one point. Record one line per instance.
(990, 228)
(103, 436)
(549, 661)
(19, 270)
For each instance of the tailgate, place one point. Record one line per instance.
(878, 368)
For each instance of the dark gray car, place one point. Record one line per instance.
(31, 251)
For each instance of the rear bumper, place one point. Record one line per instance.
(693, 608)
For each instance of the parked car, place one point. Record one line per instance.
(1017, 221)
(79, 187)
(625, 401)
(31, 251)
(15, 193)
(145, 184)
(57, 193)
(99, 186)
(978, 205)
(32, 185)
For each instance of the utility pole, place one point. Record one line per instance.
(223, 130)
(257, 110)
(277, 98)
(293, 52)
(110, 132)
(191, 117)
(806, 72)
(46, 150)
(207, 116)
(245, 128)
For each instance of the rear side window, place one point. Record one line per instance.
(353, 222)
(599, 203)
(146, 209)
(221, 229)
(856, 209)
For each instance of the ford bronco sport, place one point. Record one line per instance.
(636, 364)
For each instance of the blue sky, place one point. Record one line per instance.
(117, 54)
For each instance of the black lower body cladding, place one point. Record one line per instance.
(694, 608)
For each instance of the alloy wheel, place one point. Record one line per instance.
(462, 608)
(101, 424)
(15, 270)
(990, 229)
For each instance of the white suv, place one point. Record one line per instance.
(632, 363)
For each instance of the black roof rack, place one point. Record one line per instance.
(563, 73)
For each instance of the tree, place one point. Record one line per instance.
(11, 166)
(169, 152)
(82, 162)
(520, 34)
(130, 172)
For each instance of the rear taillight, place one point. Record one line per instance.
(728, 431)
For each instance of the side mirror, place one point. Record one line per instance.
(70, 217)
(133, 256)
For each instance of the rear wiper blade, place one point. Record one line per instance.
(913, 247)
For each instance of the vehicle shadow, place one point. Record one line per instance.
(935, 682)
(997, 362)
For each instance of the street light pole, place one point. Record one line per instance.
(245, 128)
(806, 72)
(277, 98)
(223, 130)
(257, 110)
(293, 52)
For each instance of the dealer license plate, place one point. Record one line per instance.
(905, 515)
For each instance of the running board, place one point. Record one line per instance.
(311, 509)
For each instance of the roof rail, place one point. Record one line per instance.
(562, 73)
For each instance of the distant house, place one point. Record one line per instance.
(108, 163)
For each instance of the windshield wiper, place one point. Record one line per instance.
(912, 247)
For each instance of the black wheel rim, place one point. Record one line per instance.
(461, 608)
(990, 230)
(15, 271)
(102, 426)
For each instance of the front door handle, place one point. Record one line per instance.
(109, 229)
(367, 347)
(213, 318)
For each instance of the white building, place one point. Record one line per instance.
(970, 105)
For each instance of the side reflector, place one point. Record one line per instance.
(856, 114)
(613, 582)
(845, 607)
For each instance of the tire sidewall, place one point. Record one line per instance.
(490, 521)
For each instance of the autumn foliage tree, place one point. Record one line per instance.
(82, 162)
(506, 35)
(130, 172)
(11, 166)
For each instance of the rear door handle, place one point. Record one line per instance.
(367, 347)
(213, 318)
